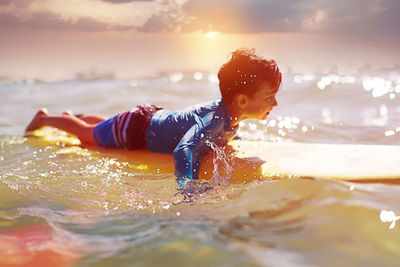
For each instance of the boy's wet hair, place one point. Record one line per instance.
(245, 71)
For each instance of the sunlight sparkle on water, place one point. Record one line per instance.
(378, 86)
(272, 130)
(302, 78)
(332, 78)
(392, 132)
(133, 83)
(389, 133)
(213, 78)
(198, 76)
(389, 216)
(397, 88)
(176, 77)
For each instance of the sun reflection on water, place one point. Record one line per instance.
(276, 129)
(389, 216)
(378, 86)
(333, 78)
(176, 77)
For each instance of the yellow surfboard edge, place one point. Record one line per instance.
(262, 160)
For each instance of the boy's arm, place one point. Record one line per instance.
(189, 150)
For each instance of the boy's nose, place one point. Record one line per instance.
(275, 103)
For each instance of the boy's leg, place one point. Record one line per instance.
(90, 119)
(66, 123)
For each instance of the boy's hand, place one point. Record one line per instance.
(229, 150)
(182, 181)
(249, 161)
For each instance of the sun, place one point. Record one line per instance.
(211, 34)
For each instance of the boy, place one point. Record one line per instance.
(248, 84)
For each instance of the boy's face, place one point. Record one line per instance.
(261, 103)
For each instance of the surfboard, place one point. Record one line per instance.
(265, 160)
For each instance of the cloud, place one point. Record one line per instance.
(16, 3)
(242, 16)
(316, 22)
(95, 15)
(49, 21)
(362, 17)
(323, 16)
(125, 1)
(165, 22)
(5, 2)
(169, 19)
(9, 21)
(53, 22)
(375, 17)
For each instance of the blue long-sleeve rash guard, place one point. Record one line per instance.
(185, 132)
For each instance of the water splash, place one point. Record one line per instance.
(223, 165)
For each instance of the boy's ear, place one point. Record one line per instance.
(242, 101)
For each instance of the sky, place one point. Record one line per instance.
(57, 39)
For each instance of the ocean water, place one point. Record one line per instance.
(63, 206)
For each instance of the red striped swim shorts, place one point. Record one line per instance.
(126, 130)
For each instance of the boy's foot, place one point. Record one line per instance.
(70, 113)
(36, 121)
